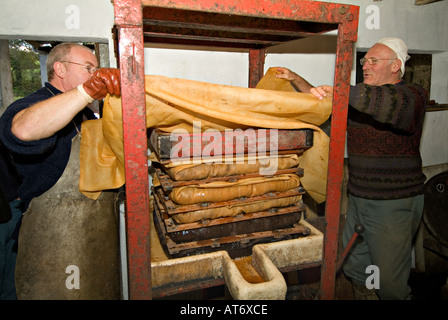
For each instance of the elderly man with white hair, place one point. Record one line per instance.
(386, 182)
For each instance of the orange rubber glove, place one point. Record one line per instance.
(102, 82)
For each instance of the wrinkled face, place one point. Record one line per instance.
(386, 70)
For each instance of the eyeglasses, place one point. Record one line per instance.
(88, 67)
(372, 61)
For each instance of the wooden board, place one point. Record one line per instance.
(194, 145)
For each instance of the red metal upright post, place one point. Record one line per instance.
(347, 34)
(256, 66)
(128, 19)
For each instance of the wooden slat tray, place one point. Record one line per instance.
(236, 245)
(287, 140)
(250, 222)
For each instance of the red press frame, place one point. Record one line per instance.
(129, 23)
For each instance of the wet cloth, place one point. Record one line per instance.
(173, 104)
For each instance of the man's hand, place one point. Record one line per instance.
(297, 81)
(284, 73)
(322, 91)
(102, 82)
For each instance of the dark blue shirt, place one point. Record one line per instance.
(9, 178)
(40, 163)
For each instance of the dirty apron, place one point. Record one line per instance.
(68, 244)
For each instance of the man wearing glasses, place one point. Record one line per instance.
(386, 182)
(38, 130)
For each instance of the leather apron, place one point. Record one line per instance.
(68, 244)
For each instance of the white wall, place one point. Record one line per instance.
(421, 27)
(58, 20)
(433, 145)
(228, 68)
(61, 20)
(439, 78)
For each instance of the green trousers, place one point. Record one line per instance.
(385, 246)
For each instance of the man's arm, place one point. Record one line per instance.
(402, 106)
(297, 81)
(45, 118)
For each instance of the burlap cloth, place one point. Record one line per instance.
(188, 172)
(175, 103)
(229, 190)
(235, 209)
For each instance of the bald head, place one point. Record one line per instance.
(60, 53)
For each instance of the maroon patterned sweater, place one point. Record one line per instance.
(383, 139)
